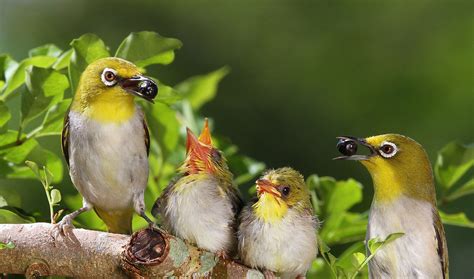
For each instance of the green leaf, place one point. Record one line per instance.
(34, 167)
(4, 115)
(10, 216)
(466, 189)
(7, 67)
(54, 119)
(167, 95)
(63, 60)
(457, 219)
(8, 245)
(358, 258)
(45, 50)
(199, 90)
(86, 49)
(454, 160)
(343, 195)
(45, 88)
(19, 75)
(375, 243)
(164, 127)
(19, 153)
(146, 48)
(8, 141)
(55, 196)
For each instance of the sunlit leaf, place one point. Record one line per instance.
(457, 219)
(167, 95)
(54, 119)
(245, 168)
(4, 115)
(8, 141)
(454, 160)
(147, 48)
(86, 49)
(45, 50)
(19, 75)
(19, 153)
(10, 215)
(63, 60)
(198, 90)
(344, 195)
(34, 168)
(45, 87)
(466, 189)
(55, 196)
(375, 243)
(163, 126)
(8, 245)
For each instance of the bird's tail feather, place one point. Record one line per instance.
(116, 221)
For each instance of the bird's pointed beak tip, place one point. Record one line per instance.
(205, 136)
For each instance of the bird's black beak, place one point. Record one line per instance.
(140, 86)
(348, 148)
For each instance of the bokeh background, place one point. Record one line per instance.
(302, 73)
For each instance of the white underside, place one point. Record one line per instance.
(108, 162)
(288, 247)
(414, 255)
(202, 214)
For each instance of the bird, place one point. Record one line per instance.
(105, 142)
(201, 204)
(404, 201)
(278, 230)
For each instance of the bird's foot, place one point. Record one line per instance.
(64, 228)
(222, 254)
(269, 274)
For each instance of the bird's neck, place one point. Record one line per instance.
(107, 107)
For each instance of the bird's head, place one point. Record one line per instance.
(110, 84)
(202, 157)
(398, 165)
(277, 191)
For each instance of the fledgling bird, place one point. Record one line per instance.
(404, 201)
(105, 142)
(277, 231)
(201, 204)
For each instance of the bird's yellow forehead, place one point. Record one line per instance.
(376, 141)
(123, 68)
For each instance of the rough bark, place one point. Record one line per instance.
(91, 254)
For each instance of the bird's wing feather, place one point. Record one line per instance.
(155, 211)
(65, 138)
(442, 247)
(147, 136)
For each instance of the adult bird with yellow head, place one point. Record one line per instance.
(404, 201)
(105, 142)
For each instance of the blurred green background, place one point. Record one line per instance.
(303, 72)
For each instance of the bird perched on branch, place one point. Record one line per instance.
(201, 204)
(404, 201)
(105, 142)
(277, 231)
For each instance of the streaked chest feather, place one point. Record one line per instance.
(414, 255)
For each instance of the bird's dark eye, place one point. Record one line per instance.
(109, 77)
(388, 149)
(285, 191)
(347, 147)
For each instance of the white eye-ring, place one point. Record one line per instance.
(388, 149)
(109, 77)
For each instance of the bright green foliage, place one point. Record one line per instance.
(46, 81)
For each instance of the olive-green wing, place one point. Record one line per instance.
(442, 247)
(65, 138)
(163, 198)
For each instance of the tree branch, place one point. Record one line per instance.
(147, 253)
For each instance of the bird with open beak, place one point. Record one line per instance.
(201, 204)
(277, 231)
(105, 142)
(404, 201)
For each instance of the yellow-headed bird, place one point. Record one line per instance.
(404, 201)
(201, 204)
(277, 231)
(105, 142)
